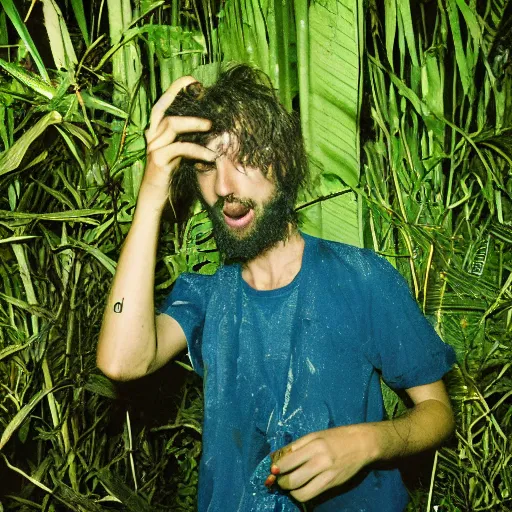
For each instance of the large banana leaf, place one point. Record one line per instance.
(319, 58)
(329, 42)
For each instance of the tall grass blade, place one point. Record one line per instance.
(25, 411)
(20, 27)
(78, 9)
(123, 493)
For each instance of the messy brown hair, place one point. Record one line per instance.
(243, 103)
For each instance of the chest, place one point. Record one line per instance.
(284, 353)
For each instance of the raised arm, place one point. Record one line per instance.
(132, 342)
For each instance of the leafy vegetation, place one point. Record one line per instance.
(438, 195)
(434, 196)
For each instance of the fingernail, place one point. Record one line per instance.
(270, 481)
(274, 470)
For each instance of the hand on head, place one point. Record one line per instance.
(164, 152)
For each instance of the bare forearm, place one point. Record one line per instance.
(127, 341)
(423, 427)
(328, 458)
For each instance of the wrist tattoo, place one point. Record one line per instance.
(118, 306)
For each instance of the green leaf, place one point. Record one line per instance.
(332, 126)
(404, 10)
(60, 43)
(34, 481)
(11, 159)
(74, 150)
(78, 9)
(32, 308)
(12, 349)
(462, 66)
(29, 79)
(390, 23)
(20, 27)
(108, 263)
(57, 194)
(100, 385)
(133, 502)
(74, 500)
(16, 239)
(70, 215)
(79, 133)
(471, 21)
(92, 102)
(23, 413)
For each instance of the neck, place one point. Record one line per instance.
(278, 266)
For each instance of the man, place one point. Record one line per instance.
(291, 335)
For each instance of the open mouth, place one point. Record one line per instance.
(237, 215)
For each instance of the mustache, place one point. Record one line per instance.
(231, 198)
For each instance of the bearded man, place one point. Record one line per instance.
(291, 335)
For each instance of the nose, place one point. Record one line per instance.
(225, 177)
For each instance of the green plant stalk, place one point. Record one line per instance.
(116, 28)
(302, 24)
(71, 318)
(273, 46)
(126, 71)
(176, 64)
(25, 475)
(151, 54)
(452, 149)
(283, 14)
(20, 255)
(425, 286)
(432, 480)
(130, 449)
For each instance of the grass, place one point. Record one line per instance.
(434, 196)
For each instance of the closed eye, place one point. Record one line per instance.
(204, 167)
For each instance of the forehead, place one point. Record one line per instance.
(224, 144)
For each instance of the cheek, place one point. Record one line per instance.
(205, 187)
(265, 190)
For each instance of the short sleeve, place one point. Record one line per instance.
(403, 344)
(186, 304)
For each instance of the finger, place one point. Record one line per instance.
(304, 473)
(270, 481)
(298, 453)
(164, 156)
(275, 456)
(165, 101)
(175, 126)
(313, 488)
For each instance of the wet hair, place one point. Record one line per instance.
(243, 103)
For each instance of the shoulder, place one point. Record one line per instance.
(196, 290)
(206, 282)
(358, 262)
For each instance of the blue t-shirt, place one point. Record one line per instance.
(280, 364)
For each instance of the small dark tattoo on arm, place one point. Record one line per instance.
(118, 306)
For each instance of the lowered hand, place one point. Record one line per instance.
(322, 460)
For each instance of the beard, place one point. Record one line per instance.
(269, 227)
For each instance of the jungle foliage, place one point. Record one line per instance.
(77, 82)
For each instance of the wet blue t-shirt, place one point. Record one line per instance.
(283, 363)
